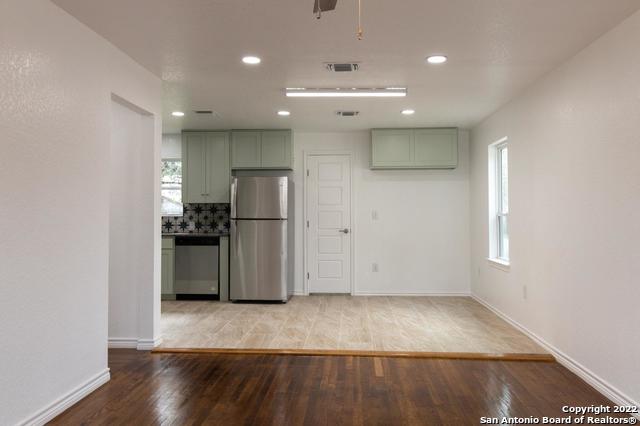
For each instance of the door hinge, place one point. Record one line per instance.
(307, 275)
(307, 224)
(307, 172)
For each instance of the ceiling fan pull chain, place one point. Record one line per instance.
(360, 32)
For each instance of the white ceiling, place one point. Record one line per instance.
(495, 48)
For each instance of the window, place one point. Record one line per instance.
(171, 187)
(499, 201)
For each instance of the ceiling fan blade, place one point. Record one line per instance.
(324, 5)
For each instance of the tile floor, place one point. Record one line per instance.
(425, 324)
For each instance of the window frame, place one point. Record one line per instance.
(164, 214)
(498, 213)
(501, 211)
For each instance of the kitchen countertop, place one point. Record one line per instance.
(186, 234)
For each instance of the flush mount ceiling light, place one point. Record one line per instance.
(395, 92)
(177, 114)
(284, 113)
(408, 111)
(437, 59)
(251, 60)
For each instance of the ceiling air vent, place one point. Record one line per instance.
(207, 112)
(335, 67)
(348, 113)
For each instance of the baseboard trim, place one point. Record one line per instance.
(57, 407)
(133, 343)
(360, 353)
(123, 343)
(598, 383)
(426, 293)
(148, 344)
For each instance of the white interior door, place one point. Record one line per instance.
(329, 235)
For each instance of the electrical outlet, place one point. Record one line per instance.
(374, 267)
(524, 292)
(374, 214)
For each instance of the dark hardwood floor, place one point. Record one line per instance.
(194, 389)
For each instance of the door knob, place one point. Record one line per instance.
(344, 231)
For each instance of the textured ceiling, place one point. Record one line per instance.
(495, 48)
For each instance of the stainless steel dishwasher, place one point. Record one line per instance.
(196, 268)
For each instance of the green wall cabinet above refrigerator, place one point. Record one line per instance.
(261, 149)
(435, 148)
(205, 167)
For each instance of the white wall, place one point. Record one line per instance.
(574, 180)
(421, 238)
(130, 232)
(171, 145)
(56, 81)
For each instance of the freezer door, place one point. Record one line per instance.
(259, 197)
(258, 260)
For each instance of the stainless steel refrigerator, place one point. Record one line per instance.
(261, 238)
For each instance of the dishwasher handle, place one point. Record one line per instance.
(197, 241)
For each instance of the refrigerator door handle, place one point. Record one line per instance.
(237, 236)
(233, 196)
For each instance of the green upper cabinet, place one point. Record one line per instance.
(245, 149)
(392, 148)
(414, 148)
(276, 149)
(205, 167)
(436, 148)
(266, 149)
(194, 167)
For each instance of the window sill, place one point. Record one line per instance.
(499, 264)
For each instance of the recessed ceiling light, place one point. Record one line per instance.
(251, 60)
(347, 93)
(177, 114)
(437, 59)
(284, 113)
(408, 111)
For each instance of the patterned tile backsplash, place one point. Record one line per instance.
(198, 219)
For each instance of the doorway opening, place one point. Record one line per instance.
(133, 228)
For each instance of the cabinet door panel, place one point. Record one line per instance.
(194, 158)
(276, 149)
(391, 148)
(218, 167)
(436, 148)
(245, 150)
(167, 276)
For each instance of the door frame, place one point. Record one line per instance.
(352, 233)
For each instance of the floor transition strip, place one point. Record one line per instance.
(390, 354)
